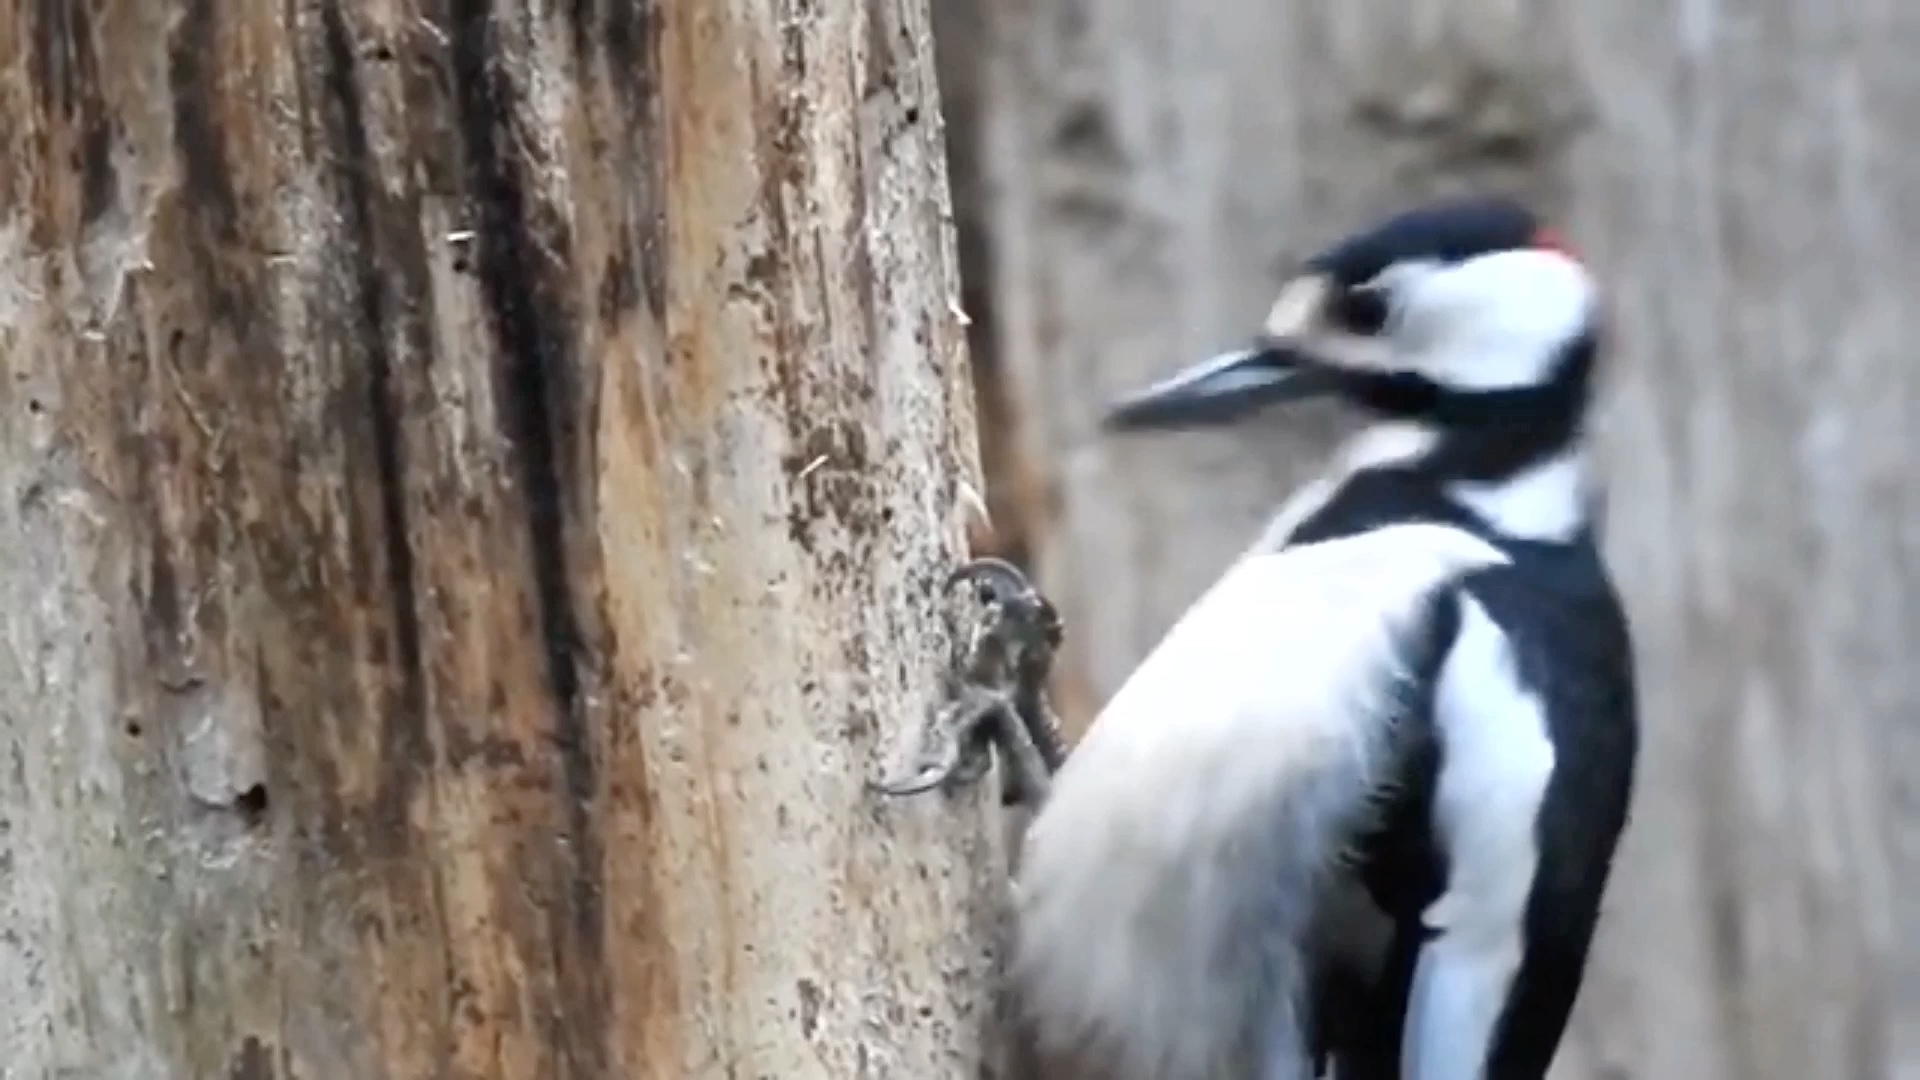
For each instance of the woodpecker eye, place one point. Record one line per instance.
(1362, 310)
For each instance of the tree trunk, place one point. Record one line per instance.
(474, 486)
(1152, 170)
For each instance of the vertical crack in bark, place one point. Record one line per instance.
(204, 167)
(64, 72)
(535, 344)
(404, 734)
(405, 730)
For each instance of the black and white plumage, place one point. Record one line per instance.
(1409, 708)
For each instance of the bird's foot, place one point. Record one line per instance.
(952, 745)
(994, 691)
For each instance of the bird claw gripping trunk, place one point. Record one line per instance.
(993, 699)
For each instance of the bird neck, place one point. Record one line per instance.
(1523, 487)
(1515, 460)
(1548, 500)
(1386, 472)
(1513, 456)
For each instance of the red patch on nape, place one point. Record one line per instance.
(1548, 239)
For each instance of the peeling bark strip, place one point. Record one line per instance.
(472, 480)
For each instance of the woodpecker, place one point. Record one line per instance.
(1356, 813)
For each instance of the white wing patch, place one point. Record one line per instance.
(1497, 759)
(1164, 886)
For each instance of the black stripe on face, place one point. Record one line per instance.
(1445, 232)
(1489, 434)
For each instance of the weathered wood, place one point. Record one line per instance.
(1020, 494)
(473, 481)
(1740, 178)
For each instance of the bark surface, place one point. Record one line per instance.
(475, 480)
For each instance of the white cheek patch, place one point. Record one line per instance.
(1498, 321)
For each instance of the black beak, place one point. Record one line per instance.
(1222, 390)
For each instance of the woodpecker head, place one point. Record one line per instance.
(1466, 314)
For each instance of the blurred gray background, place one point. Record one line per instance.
(1132, 177)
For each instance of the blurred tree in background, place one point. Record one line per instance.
(1134, 176)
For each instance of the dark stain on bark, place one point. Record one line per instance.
(832, 472)
(618, 43)
(162, 609)
(58, 52)
(253, 1061)
(532, 330)
(99, 184)
(621, 32)
(196, 129)
(648, 96)
(408, 751)
(65, 73)
(619, 288)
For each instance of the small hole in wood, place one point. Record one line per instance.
(134, 729)
(252, 803)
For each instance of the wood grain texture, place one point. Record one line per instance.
(1743, 176)
(474, 481)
